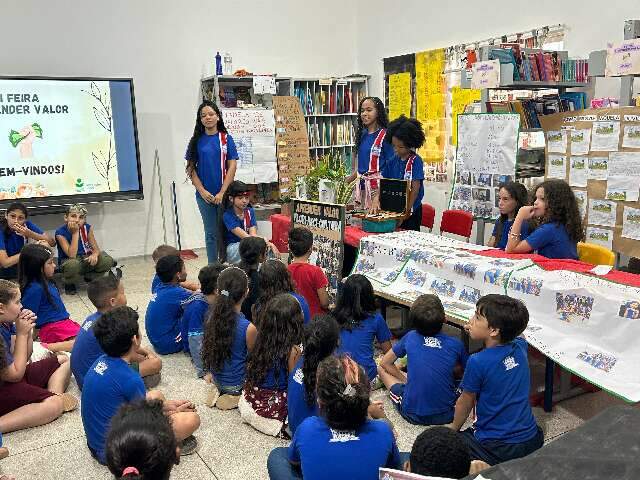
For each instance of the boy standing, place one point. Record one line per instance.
(497, 381)
(78, 251)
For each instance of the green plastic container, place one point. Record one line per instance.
(385, 226)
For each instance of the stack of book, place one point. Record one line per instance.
(530, 109)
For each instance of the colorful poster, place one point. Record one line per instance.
(597, 168)
(605, 136)
(578, 172)
(486, 74)
(600, 236)
(631, 223)
(399, 95)
(557, 141)
(557, 167)
(623, 58)
(602, 212)
(460, 98)
(430, 103)
(580, 141)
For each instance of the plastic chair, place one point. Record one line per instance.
(457, 222)
(428, 216)
(595, 254)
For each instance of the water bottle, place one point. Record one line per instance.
(218, 64)
(228, 69)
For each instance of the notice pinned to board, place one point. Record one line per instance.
(460, 98)
(486, 74)
(399, 95)
(264, 84)
(623, 58)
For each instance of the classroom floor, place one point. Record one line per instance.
(228, 448)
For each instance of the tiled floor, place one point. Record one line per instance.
(228, 449)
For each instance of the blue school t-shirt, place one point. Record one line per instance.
(163, 319)
(551, 240)
(195, 308)
(6, 331)
(231, 221)
(430, 388)
(279, 370)
(327, 453)
(232, 373)
(35, 299)
(306, 313)
(86, 349)
(209, 167)
(395, 168)
(155, 283)
(364, 152)
(358, 342)
(66, 233)
(12, 243)
(109, 383)
(499, 376)
(297, 405)
(504, 236)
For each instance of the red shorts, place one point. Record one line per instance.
(58, 331)
(31, 389)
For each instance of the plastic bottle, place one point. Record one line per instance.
(228, 68)
(218, 64)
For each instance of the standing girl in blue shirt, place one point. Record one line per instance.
(512, 196)
(560, 227)
(406, 136)
(373, 151)
(211, 165)
(57, 331)
(15, 232)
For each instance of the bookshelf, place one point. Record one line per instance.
(330, 107)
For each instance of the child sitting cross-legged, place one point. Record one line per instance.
(162, 251)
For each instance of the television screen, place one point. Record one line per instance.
(66, 141)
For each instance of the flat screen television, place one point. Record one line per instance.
(68, 140)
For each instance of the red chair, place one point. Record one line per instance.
(428, 216)
(458, 222)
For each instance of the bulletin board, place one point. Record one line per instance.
(597, 151)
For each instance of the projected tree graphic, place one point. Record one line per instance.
(104, 161)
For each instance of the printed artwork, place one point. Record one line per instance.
(466, 269)
(463, 177)
(496, 276)
(470, 295)
(573, 308)
(482, 179)
(602, 361)
(415, 277)
(443, 287)
(500, 179)
(527, 285)
(630, 309)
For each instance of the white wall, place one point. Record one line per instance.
(166, 46)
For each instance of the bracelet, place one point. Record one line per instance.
(514, 235)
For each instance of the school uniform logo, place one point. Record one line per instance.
(343, 436)
(153, 297)
(510, 363)
(100, 368)
(376, 150)
(298, 377)
(432, 342)
(87, 325)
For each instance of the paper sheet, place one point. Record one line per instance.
(605, 136)
(264, 84)
(597, 168)
(581, 199)
(631, 136)
(399, 95)
(601, 269)
(486, 74)
(622, 189)
(623, 176)
(557, 141)
(602, 212)
(460, 98)
(580, 140)
(600, 236)
(631, 223)
(623, 58)
(557, 167)
(578, 172)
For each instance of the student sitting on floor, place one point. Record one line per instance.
(31, 394)
(497, 382)
(253, 253)
(342, 442)
(195, 311)
(40, 295)
(141, 444)
(274, 278)
(111, 382)
(560, 228)
(321, 338)
(441, 452)
(228, 337)
(310, 281)
(107, 293)
(425, 395)
(360, 324)
(78, 252)
(15, 232)
(263, 403)
(163, 251)
(512, 197)
(163, 320)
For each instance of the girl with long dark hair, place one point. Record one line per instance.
(512, 196)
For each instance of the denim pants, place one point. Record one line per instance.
(279, 466)
(495, 451)
(209, 213)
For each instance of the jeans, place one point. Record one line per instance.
(279, 467)
(495, 451)
(195, 347)
(233, 253)
(211, 222)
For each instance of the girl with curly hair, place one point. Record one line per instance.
(228, 337)
(274, 278)
(560, 227)
(263, 404)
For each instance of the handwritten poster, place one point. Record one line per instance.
(623, 58)
(623, 176)
(557, 166)
(578, 172)
(557, 141)
(292, 143)
(631, 136)
(602, 212)
(631, 223)
(580, 140)
(264, 84)
(460, 98)
(399, 95)
(600, 236)
(486, 74)
(605, 136)
(430, 103)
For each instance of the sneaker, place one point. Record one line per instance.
(188, 446)
(151, 381)
(69, 402)
(70, 289)
(227, 402)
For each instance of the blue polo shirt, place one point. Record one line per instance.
(232, 373)
(499, 376)
(551, 240)
(35, 299)
(297, 406)
(12, 243)
(358, 342)
(326, 453)
(155, 283)
(86, 349)
(395, 168)
(209, 167)
(504, 236)
(231, 221)
(109, 383)
(66, 233)
(163, 320)
(6, 331)
(306, 313)
(430, 389)
(364, 152)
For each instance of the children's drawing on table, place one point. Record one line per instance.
(443, 287)
(470, 295)
(496, 276)
(573, 308)
(415, 277)
(528, 285)
(602, 361)
(466, 269)
(630, 309)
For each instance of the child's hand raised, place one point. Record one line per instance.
(25, 322)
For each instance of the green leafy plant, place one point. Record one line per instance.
(329, 167)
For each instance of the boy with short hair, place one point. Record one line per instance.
(425, 395)
(497, 382)
(310, 281)
(78, 250)
(111, 382)
(163, 251)
(163, 320)
(107, 293)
